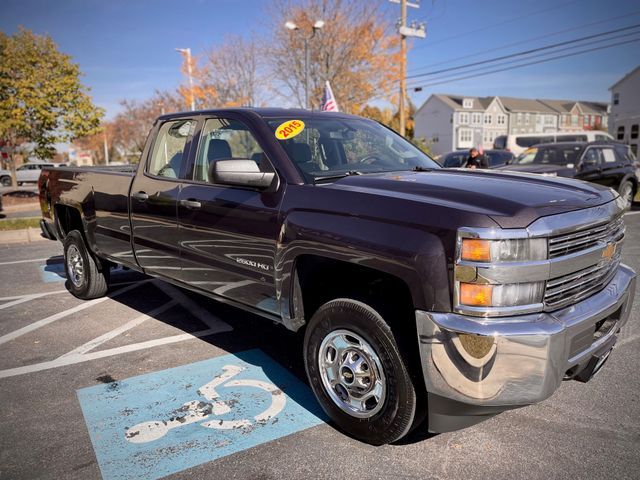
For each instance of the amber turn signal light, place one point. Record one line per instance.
(476, 295)
(476, 250)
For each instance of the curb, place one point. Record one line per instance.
(27, 235)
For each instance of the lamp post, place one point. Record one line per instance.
(316, 26)
(187, 52)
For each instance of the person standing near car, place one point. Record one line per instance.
(475, 160)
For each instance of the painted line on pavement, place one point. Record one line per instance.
(632, 213)
(52, 318)
(65, 361)
(96, 342)
(27, 261)
(25, 298)
(153, 425)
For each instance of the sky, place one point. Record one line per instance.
(126, 48)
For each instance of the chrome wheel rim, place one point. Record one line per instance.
(352, 373)
(75, 266)
(627, 195)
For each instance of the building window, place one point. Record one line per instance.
(574, 120)
(463, 118)
(467, 103)
(616, 98)
(621, 132)
(548, 120)
(539, 119)
(465, 135)
(476, 118)
(519, 119)
(634, 131)
(501, 119)
(485, 137)
(527, 118)
(488, 119)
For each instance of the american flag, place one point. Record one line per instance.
(328, 100)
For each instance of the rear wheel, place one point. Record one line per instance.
(357, 373)
(626, 192)
(84, 278)
(5, 181)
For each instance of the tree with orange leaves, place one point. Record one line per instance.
(355, 50)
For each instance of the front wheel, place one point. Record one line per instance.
(84, 279)
(626, 192)
(357, 374)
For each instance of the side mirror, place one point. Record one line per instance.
(240, 172)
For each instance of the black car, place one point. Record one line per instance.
(456, 159)
(604, 162)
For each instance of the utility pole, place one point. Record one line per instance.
(187, 52)
(414, 30)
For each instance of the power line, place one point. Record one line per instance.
(525, 52)
(543, 54)
(504, 22)
(527, 40)
(527, 64)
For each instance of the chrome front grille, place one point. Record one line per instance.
(575, 286)
(582, 239)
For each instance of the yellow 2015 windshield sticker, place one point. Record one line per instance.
(289, 129)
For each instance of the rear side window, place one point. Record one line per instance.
(454, 161)
(500, 142)
(608, 156)
(527, 142)
(169, 148)
(601, 137)
(624, 154)
(571, 138)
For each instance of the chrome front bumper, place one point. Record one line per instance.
(529, 355)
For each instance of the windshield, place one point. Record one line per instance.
(329, 147)
(551, 155)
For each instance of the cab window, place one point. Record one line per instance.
(226, 139)
(169, 148)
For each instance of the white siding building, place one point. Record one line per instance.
(452, 122)
(625, 109)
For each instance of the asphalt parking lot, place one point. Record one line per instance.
(154, 381)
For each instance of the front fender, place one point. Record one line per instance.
(415, 256)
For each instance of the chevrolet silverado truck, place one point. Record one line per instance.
(426, 296)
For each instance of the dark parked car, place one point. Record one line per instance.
(458, 158)
(608, 163)
(422, 291)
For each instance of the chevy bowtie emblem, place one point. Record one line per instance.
(609, 251)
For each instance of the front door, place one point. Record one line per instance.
(228, 234)
(154, 199)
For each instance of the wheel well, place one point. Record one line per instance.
(323, 279)
(68, 219)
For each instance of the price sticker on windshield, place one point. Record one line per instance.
(289, 129)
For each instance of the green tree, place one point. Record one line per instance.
(42, 101)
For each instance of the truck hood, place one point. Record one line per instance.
(511, 199)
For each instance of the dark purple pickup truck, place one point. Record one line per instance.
(422, 292)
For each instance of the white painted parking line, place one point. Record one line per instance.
(65, 361)
(632, 213)
(52, 318)
(192, 307)
(28, 261)
(16, 299)
(96, 342)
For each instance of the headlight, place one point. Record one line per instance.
(506, 295)
(513, 250)
(490, 275)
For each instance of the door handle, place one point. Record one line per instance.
(190, 204)
(141, 196)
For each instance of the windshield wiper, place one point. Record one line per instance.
(418, 168)
(342, 175)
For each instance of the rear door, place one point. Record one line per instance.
(228, 234)
(154, 198)
(612, 167)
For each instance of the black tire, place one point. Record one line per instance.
(626, 190)
(93, 283)
(398, 407)
(5, 181)
(20, 184)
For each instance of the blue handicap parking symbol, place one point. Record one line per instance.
(55, 272)
(150, 426)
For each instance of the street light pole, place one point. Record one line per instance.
(316, 26)
(187, 52)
